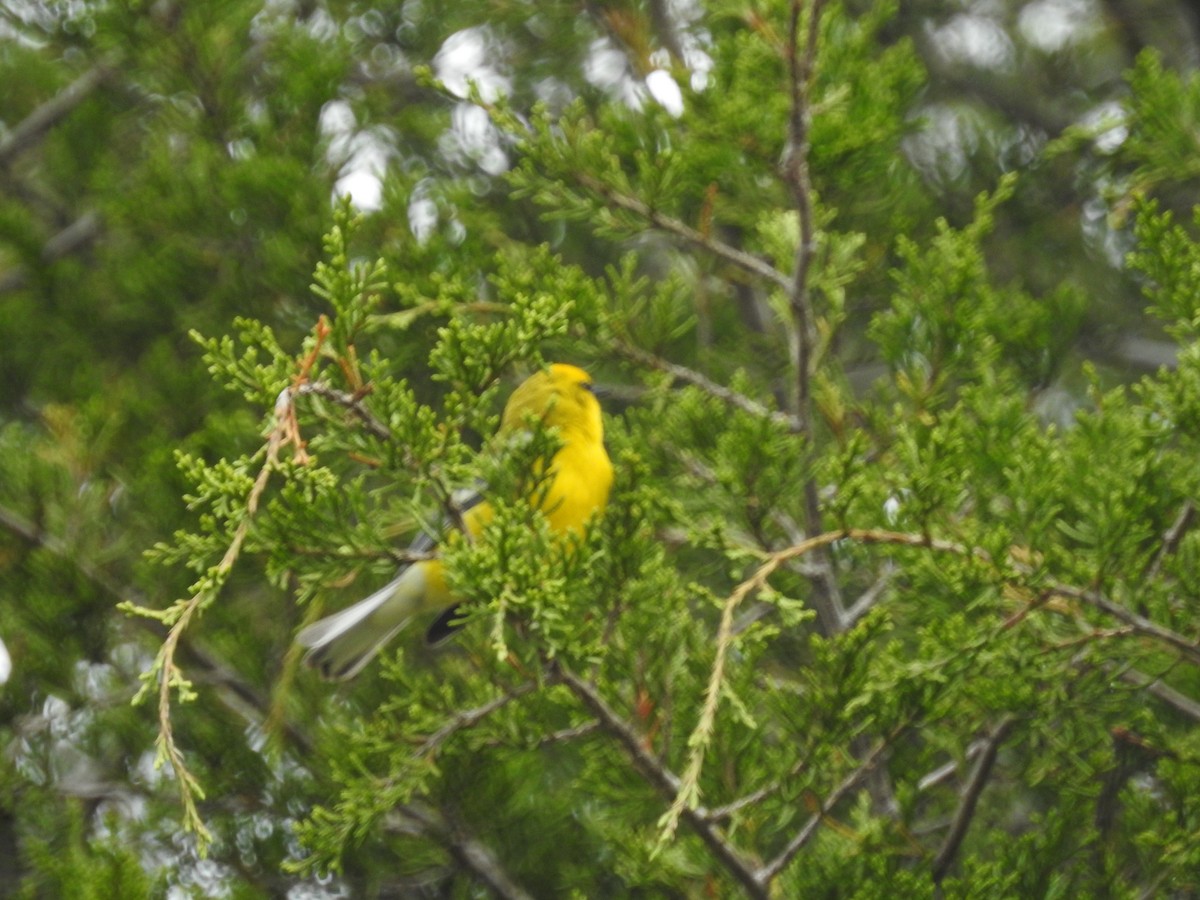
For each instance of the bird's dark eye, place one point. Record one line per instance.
(588, 386)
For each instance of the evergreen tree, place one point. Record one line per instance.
(895, 593)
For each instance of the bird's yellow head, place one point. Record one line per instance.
(563, 397)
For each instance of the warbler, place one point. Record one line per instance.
(575, 486)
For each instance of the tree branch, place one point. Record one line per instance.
(706, 384)
(801, 61)
(771, 870)
(30, 129)
(745, 261)
(1187, 648)
(1155, 687)
(352, 402)
(473, 855)
(235, 692)
(970, 798)
(665, 782)
(470, 717)
(75, 236)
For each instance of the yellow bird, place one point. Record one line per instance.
(577, 485)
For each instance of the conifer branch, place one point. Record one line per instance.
(30, 130)
(703, 382)
(970, 798)
(352, 402)
(801, 62)
(730, 254)
(470, 717)
(665, 782)
(772, 869)
(234, 691)
(467, 850)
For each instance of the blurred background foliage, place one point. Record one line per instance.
(170, 167)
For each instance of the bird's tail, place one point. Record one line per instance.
(341, 644)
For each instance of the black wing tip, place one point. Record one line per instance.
(444, 626)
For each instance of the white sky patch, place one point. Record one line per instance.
(422, 215)
(1109, 120)
(605, 65)
(364, 187)
(361, 157)
(477, 139)
(5, 663)
(1050, 25)
(463, 59)
(977, 40)
(940, 149)
(662, 87)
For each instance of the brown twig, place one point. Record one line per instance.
(29, 130)
(467, 850)
(351, 402)
(706, 384)
(970, 798)
(801, 52)
(471, 717)
(745, 261)
(1171, 539)
(666, 783)
(772, 869)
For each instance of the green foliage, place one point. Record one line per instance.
(893, 594)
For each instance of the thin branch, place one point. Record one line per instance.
(473, 855)
(701, 736)
(352, 402)
(80, 233)
(1155, 687)
(1147, 628)
(666, 783)
(30, 129)
(801, 61)
(727, 810)
(471, 717)
(944, 772)
(706, 384)
(1172, 538)
(745, 261)
(871, 596)
(235, 692)
(771, 870)
(970, 798)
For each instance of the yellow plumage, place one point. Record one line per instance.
(577, 486)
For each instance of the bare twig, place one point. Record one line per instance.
(771, 870)
(470, 717)
(970, 798)
(869, 597)
(745, 261)
(1147, 628)
(467, 850)
(706, 384)
(725, 811)
(77, 235)
(1171, 538)
(666, 783)
(1179, 702)
(352, 402)
(30, 129)
(801, 61)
